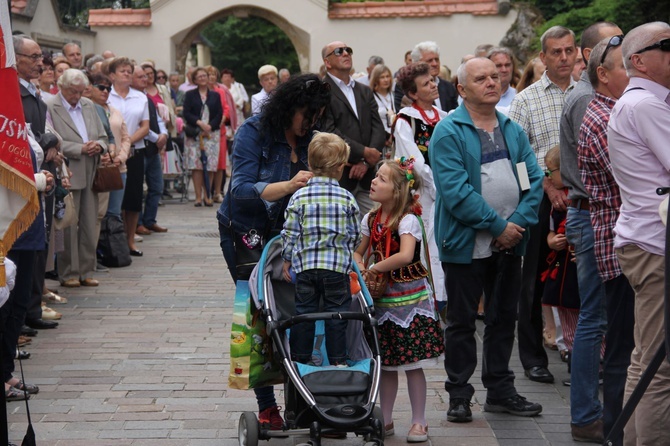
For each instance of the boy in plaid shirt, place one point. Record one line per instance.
(321, 231)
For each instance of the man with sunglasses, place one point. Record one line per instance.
(638, 134)
(586, 410)
(353, 116)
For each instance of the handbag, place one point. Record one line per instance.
(70, 216)
(248, 250)
(193, 131)
(251, 358)
(107, 179)
(378, 284)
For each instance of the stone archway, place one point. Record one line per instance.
(298, 37)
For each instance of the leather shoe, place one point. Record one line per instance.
(539, 374)
(27, 331)
(21, 354)
(89, 282)
(141, 230)
(156, 228)
(41, 324)
(71, 283)
(136, 253)
(591, 433)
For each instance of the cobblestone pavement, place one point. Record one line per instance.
(143, 360)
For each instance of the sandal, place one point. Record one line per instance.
(198, 204)
(208, 203)
(13, 394)
(417, 434)
(21, 386)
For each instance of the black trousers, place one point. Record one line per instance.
(132, 195)
(498, 277)
(531, 345)
(13, 313)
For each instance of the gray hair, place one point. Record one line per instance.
(94, 60)
(483, 50)
(597, 54)
(500, 50)
(72, 77)
(69, 44)
(424, 47)
(462, 72)
(637, 39)
(555, 32)
(375, 60)
(18, 42)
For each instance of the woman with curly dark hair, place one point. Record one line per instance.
(269, 159)
(412, 131)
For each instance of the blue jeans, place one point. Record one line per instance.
(585, 407)
(311, 287)
(116, 199)
(153, 175)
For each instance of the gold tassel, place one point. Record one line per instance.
(3, 279)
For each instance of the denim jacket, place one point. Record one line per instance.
(259, 158)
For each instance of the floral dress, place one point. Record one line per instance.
(409, 332)
(212, 149)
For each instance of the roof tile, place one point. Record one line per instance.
(411, 8)
(119, 17)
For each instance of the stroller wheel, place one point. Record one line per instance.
(248, 429)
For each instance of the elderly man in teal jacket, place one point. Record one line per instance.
(489, 187)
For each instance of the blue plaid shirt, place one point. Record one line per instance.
(322, 227)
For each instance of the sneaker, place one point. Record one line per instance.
(459, 410)
(271, 418)
(417, 433)
(516, 405)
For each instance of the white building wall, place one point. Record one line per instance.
(390, 38)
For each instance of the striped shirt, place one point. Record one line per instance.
(322, 227)
(537, 109)
(595, 171)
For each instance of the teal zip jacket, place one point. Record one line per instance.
(460, 209)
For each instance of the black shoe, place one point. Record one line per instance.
(539, 374)
(567, 382)
(41, 324)
(516, 405)
(136, 253)
(459, 410)
(167, 194)
(51, 275)
(27, 331)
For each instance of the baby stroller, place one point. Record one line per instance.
(319, 399)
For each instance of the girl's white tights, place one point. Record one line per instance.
(416, 387)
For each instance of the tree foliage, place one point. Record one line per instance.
(244, 45)
(75, 12)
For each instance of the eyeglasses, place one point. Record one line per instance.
(33, 57)
(339, 51)
(161, 77)
(663, 45)
(548, 172)
(614, 42)
(103, 87)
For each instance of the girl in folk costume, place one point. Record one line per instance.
(409, 331)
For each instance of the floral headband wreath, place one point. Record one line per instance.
(407, 166)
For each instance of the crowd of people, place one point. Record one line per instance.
(529, 193)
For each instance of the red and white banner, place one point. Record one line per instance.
(19, 203)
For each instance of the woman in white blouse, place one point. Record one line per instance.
(381, 83)
(413, 128)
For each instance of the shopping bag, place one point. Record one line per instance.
(251, 359)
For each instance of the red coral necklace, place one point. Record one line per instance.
(377, 234)
(430, 121)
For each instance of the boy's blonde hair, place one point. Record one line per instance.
(326, 153)
(553, 156)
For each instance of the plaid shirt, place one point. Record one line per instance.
(322, 227)
(537, 109)
(596, 173)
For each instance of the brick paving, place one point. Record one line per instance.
(143, 359)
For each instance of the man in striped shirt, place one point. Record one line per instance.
(608, 77)
(320, 234)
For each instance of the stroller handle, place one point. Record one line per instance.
(313, 317)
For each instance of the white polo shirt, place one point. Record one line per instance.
(134, 108)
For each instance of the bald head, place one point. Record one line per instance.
(72, 53)
(635, 61)
(594, 34)
(479, 83)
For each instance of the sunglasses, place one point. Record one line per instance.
(614, 42)
(339, 51)
(663, 45)
(161, 78)
(313, 85)
(103, 88)
(547, 173)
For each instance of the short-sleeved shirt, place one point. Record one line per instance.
(134, 108)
